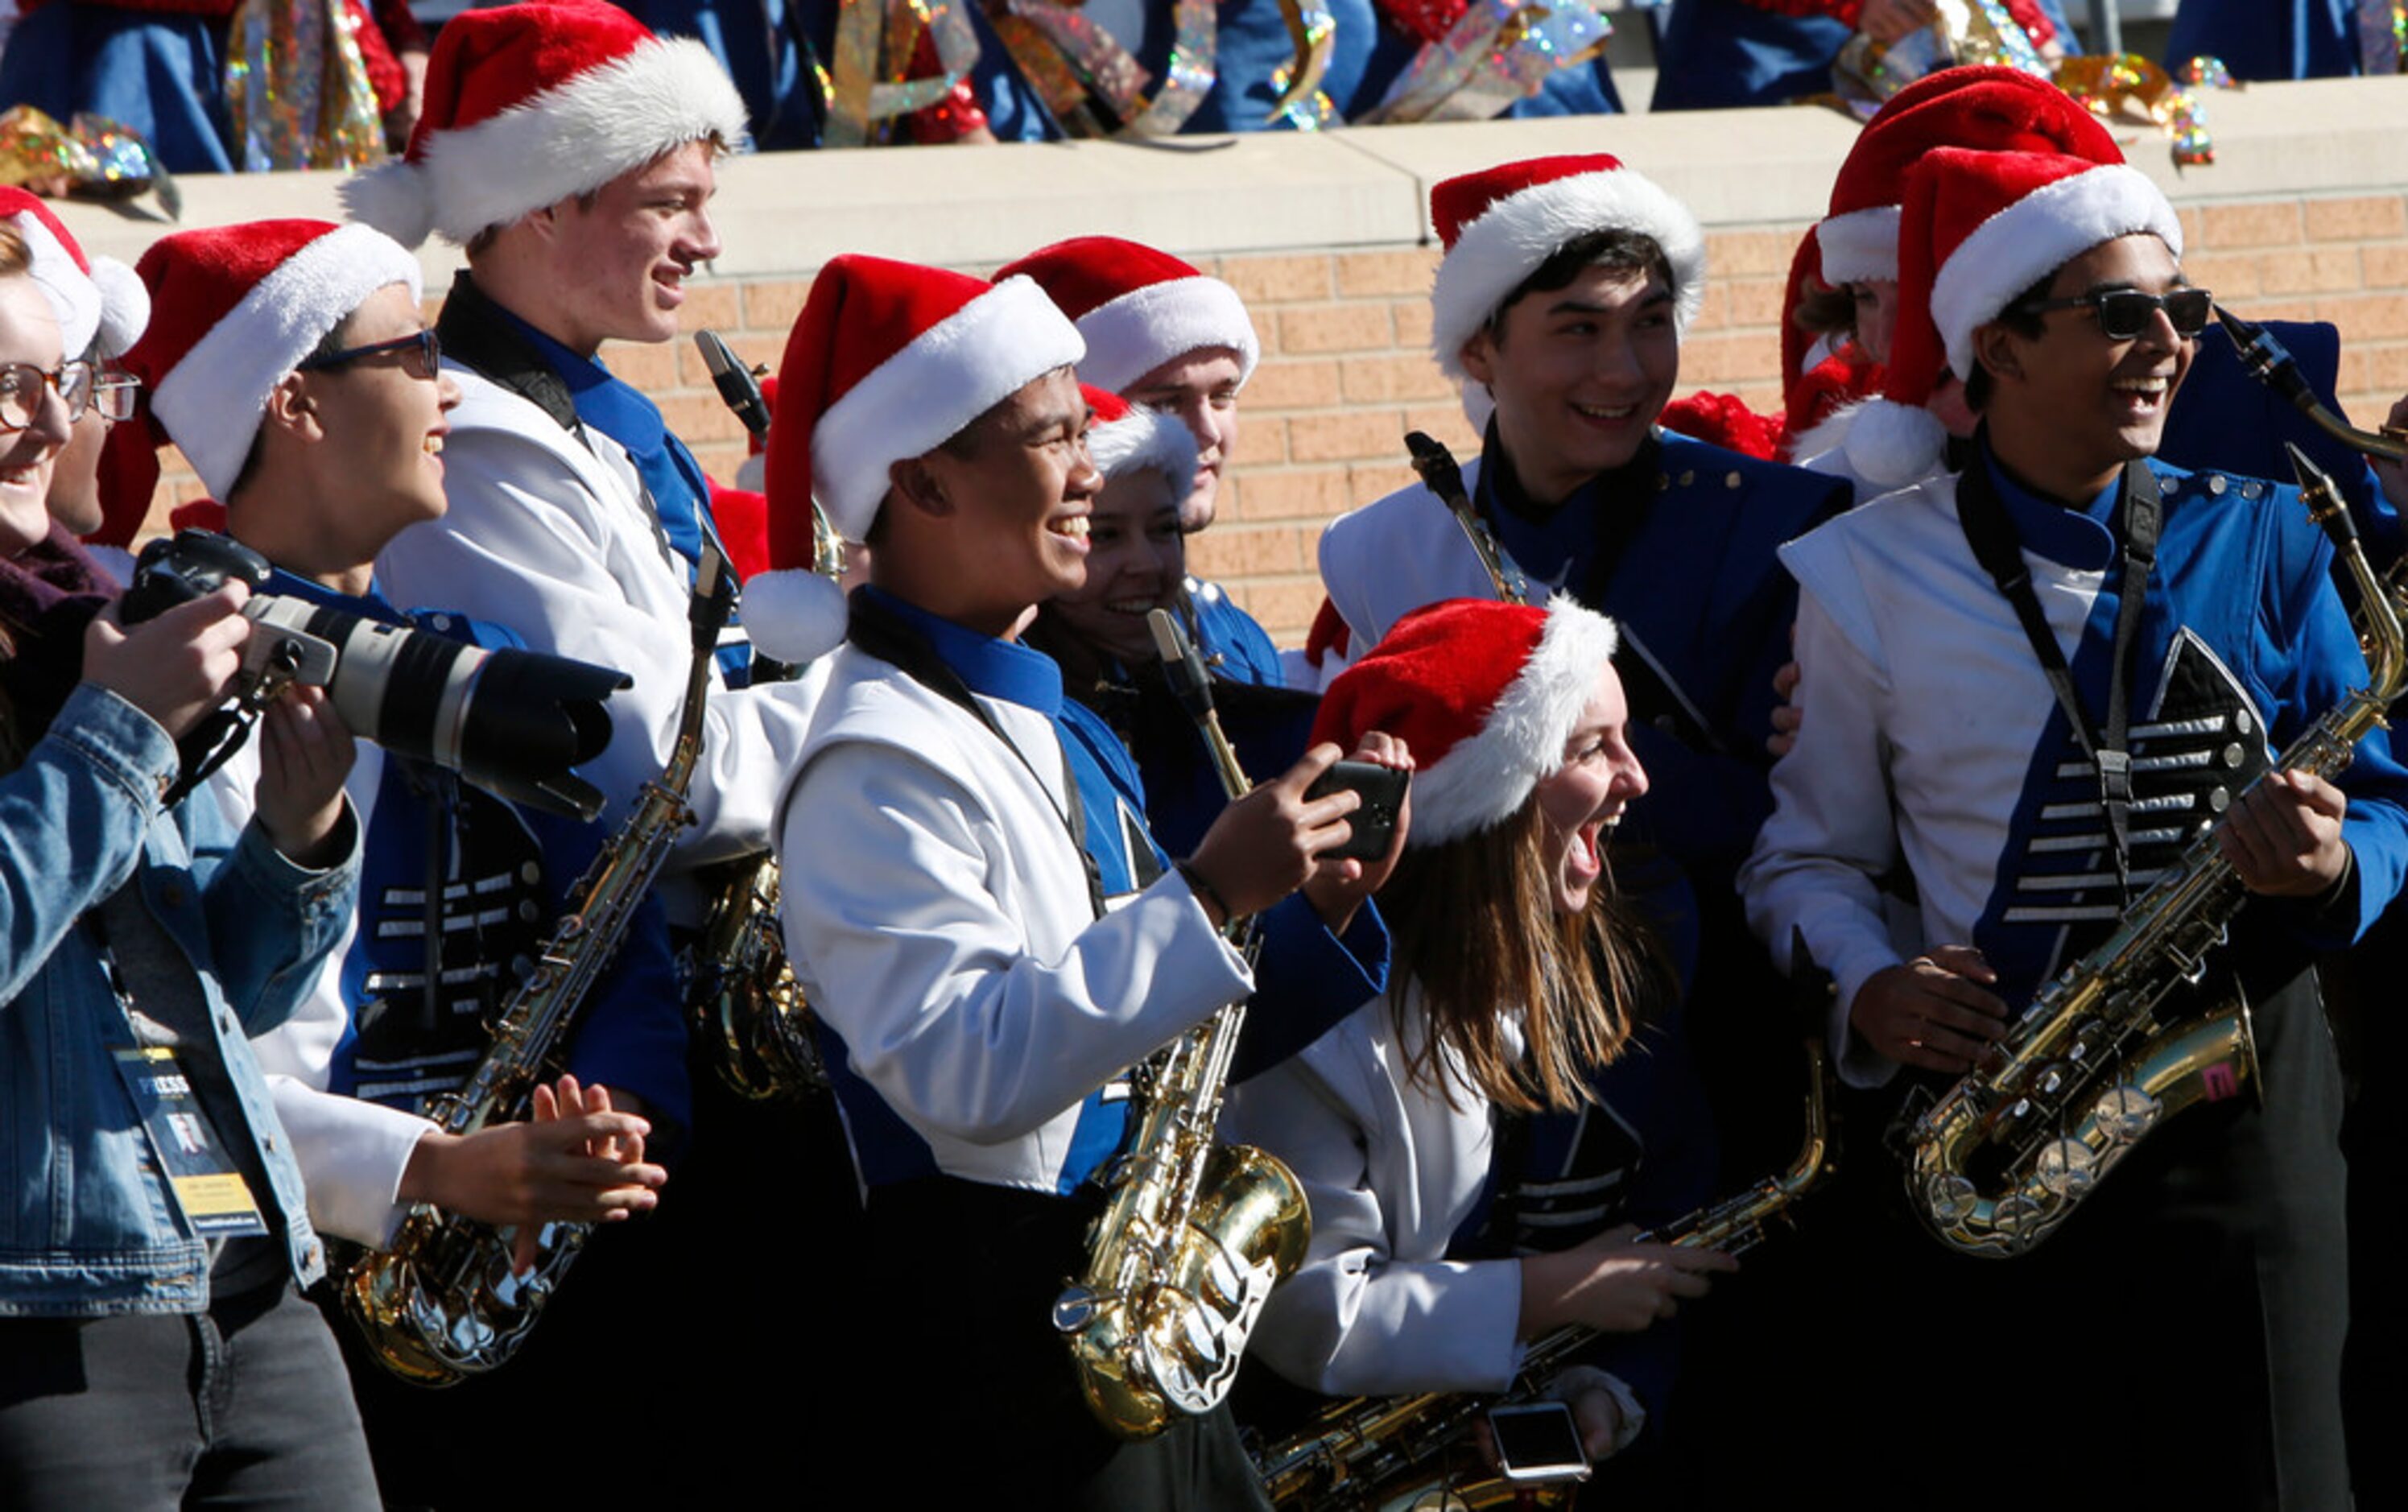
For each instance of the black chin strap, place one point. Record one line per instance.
(2139, 516)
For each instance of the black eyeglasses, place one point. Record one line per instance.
(21, 391)
(427, 360)
(2125, 313)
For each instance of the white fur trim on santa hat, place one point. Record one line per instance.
(1130, 336)
(920, 397)
(74, 298)
(1891, 444)
(2031, 238)
(1520, 232)
(1145, 439)
(1485, 779)
(1859, 245)
(566, 140)
(211, 400)
(124, 305)
(793, 615)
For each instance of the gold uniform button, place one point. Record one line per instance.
(1730, 479)
(1688, 478)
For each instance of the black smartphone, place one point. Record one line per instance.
(1382, 791)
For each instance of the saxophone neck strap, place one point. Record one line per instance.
(880, 632)
(2139, 516)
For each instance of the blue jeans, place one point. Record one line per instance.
(243, 1405)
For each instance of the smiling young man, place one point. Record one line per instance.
(1003, 939)
(1163, 334)
(1558, 308)
(571, 153)
(290, 363)
(1976, 650)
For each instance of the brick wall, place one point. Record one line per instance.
(1345, 369)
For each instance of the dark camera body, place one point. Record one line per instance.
(513, 722)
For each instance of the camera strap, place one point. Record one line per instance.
(1992, 535)
(205, 748)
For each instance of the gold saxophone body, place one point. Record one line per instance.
(1196, 1232)
(444, 1303)
(1404, 1453)
(741, 995)
(2005, 1155)
(741, 991)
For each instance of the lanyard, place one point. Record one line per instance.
(1992, 535)
(881, 633)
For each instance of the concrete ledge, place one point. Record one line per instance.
(786, 213)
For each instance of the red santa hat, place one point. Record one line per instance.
(1979, 229)
(1500, 225)
(1138, 308)
(1484, 694)
(1996, 110)
(528, 104)
(93, 298)
(887, 362)
(239, 307)
(1129, 438)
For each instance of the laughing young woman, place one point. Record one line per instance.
(1518, 978)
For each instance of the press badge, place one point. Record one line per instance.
(215, 1199)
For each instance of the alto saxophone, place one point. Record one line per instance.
(445, 1301)
(2092, 1066)
(1196, 1232)
(741, 995)
(1394, 1452)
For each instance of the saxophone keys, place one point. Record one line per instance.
(2021, 1216)
(1074, 1309)
(2068, 1168)
(2125, 1113)
(1950, 1198)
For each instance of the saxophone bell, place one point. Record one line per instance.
(1194, 1233)
(447, 1301)
(2103, 1055)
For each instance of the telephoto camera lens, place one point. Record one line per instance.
(513, 722)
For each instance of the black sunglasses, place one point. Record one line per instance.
(426, 364)
(2125, 313)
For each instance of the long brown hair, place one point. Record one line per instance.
(1474, 926)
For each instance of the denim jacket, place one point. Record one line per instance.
(89, 1227)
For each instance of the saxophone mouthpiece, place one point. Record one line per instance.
(2266, 358)
(1435, 463)
(2323, 499)
(1180, 664)
(738, 388)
